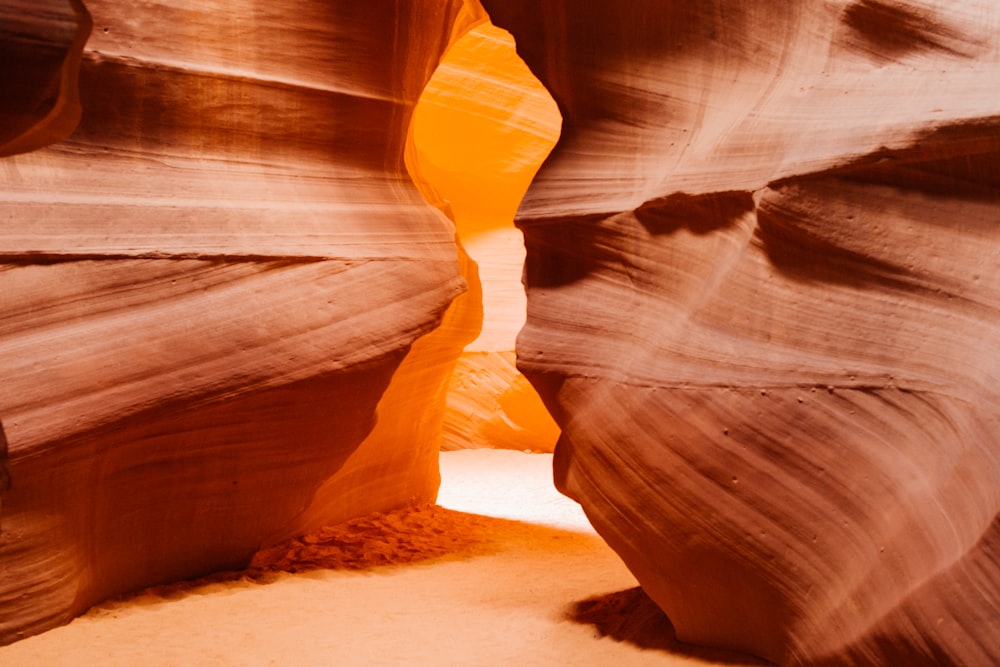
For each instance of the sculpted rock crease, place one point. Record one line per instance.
(763, 295)
(41, 42)
(212, 287)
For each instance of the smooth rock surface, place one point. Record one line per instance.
(763, 271)
(212, 287)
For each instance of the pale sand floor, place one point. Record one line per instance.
(532, 586)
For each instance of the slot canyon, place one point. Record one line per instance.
(299, 297)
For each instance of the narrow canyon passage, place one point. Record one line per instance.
(511, 573)
(480, 130)
(259, 267)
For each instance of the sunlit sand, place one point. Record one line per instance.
(505, 572)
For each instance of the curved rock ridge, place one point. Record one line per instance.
(211, 289)
(40, 46)
(491, 404)
(763, 296)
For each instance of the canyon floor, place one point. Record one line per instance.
(504, 571)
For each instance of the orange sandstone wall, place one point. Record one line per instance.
(215, 288)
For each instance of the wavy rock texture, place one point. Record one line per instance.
(210, 288)
(40, 46)
(763, 300)
(491, 404)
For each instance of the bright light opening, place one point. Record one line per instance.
(482, 128)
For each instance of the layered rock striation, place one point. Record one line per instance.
(763, 291)
(214, 288)
(763, 300)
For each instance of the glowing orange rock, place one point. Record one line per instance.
(482, 128)
(208, 290)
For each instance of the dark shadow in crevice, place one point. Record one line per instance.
(4, 471)
(40, 56)
(972, 177)
(951, 165)
(630, 616)
(562, 251)
(956, 161)
(698, 214)
(801, 255)
(886, 32)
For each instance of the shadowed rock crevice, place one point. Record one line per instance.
(5, 482)
(699, 214)
(894, 29)
(631, 616)
(41, 42)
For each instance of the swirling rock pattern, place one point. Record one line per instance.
(210, 289)
(763, 305)
(40, 47)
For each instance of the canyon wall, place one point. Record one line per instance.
(41, 42)
(763, 295)
(214, 288)
(763, 274)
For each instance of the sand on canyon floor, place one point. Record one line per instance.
(504, 571)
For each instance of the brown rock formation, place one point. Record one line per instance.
(763, 300)
(40, 46)
(208, 289)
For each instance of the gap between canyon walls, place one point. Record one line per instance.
(480, 131)
(210, 286)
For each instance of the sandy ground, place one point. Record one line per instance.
(505, 572)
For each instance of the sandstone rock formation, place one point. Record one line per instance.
(40, 47)
(763, 298)
(763, 306)
(211, 287)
